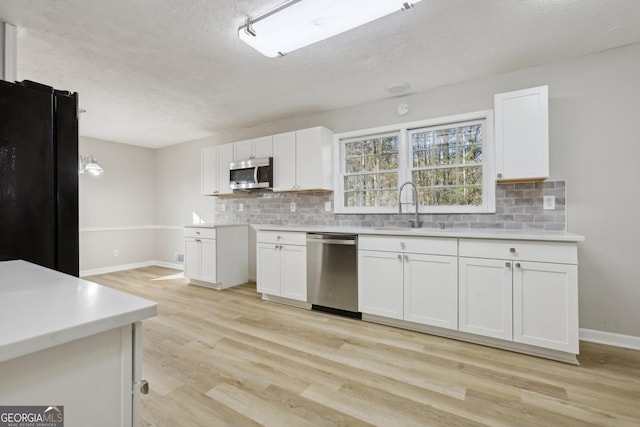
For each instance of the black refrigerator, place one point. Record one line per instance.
(39, 175)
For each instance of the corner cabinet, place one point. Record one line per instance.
(281, 264)
(214, 172)
(409, 278)
(523, 291)
(522, 134)
(216, 257)
(303, 160)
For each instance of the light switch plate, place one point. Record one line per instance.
(327, 206)
(241, 207)
(293, 207)
(223, 207)
(549, 202)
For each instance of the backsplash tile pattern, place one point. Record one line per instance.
(518, 207)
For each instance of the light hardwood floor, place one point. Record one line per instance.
(218, 358)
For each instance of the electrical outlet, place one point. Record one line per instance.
(293, 206)
(241, 207)
(116, 252)
(549, 203)
(327, 206)
(179, 257)
(223, 207)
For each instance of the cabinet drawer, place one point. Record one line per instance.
(421, 245)
(555, 252)
(200, 232)
(282, 237)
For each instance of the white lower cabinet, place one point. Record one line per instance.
(485, 297)
(217, 257)
(281, 264)
(545, 305)
(380, 284)
(530, 296)
(431, 290)
(416, 287)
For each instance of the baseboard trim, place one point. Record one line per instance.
(609, 338)
(122, 267)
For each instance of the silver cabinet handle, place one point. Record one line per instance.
(198, 240)
(507, 264)
(144, 386)
(406, 258)
(197, 232)
(402, 245)
(216, 192)
(517, 265)
(278, 237)
(512, 250)
(499, 175)
(399, 257)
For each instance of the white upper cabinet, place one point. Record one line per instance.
(302, 160)
(215, 170)
(253, 148)
(522, 134)
(284, 161)
(209, 171)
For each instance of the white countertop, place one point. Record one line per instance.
(552, 236)
(211, 225)
(41, 308)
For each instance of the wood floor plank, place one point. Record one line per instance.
(228, 358)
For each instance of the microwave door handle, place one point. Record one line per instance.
(255, 174)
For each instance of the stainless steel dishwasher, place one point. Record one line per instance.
(332, 273)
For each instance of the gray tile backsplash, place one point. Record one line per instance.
(518, 207)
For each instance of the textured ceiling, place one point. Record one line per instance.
(160, 72)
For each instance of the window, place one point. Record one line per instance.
(448, 159)
(447, 164)
(371, 171)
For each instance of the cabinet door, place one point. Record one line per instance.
(485, 289)
(242, 150)
(268, 269)
(431, 290)
(191, 258)
(522, 134)
(209, 171)
(293, 271)
(380, 283)
(225, 157)
(308, 159)
(545, 305)
(284, 161)
(263, 147)
(208, 260)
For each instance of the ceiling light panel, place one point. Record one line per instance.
(299, 23)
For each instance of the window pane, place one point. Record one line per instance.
(470, 176)
(440, 158)
(371, 165)
(354, 165)
(352, 149)
(471, 196)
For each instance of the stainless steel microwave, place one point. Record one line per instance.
(251, 174)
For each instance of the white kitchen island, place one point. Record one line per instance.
(70, 342)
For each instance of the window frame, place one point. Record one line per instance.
(405, 164)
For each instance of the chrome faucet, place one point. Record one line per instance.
(412, 223)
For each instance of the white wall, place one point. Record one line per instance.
(117, 208)
(594, 146)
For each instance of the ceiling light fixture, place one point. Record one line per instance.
(88, 164)
(299, 23)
